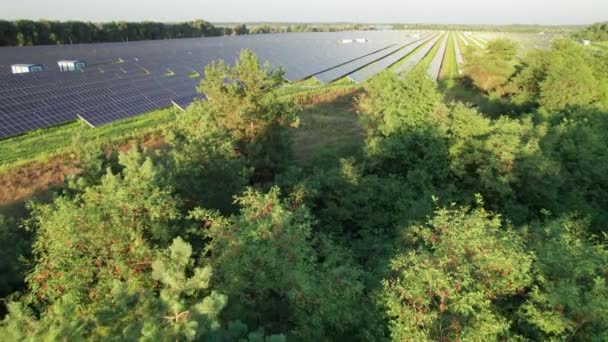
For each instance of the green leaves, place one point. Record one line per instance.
(265, 261)
(107, 233)
(445, 282)
(490, 69)
(565, 77)
(569, 298)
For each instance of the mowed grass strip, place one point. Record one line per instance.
(45, 143)
(449, 67)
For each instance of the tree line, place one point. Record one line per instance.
(595, 32)
(45, 32)
(446, 223)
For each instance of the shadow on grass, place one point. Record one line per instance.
(328, 130)
(462, 89)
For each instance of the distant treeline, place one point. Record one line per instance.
(44, 32)
(595, 32)
(488, 28)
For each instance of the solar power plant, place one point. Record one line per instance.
(127, 79)
(437, 61)
(385, 63)
(417, 56)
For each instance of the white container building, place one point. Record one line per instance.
(71, 65)
(25, 68)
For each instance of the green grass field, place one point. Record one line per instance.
(45, 143)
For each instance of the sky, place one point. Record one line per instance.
(371, 11)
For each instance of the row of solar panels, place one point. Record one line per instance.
(106, 92)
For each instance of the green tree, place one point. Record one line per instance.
(265, 262)
(491, 68)
(241, 101)
(448, 279)
(564, 77)
(183, 308)
(569, 296)
(83, 244)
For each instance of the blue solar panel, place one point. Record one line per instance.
(417, 56)
(437, 61)
(126, 79)
(375, 68)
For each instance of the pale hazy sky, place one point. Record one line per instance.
(420, 11)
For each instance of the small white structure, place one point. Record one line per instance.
(416, 35)
(586, 42)
(71, 65)
(357, 40)
(25, 68)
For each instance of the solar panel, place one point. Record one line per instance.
(459, 58)
(377, 67)
(417, 56)
(435, 66)
(126, 79)
(183, 102)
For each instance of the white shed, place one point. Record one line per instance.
(71, 65)
(586, 42)
(24, 68)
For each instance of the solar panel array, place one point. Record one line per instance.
(366, 73)
(126, 79)
(417, 56)
(435, 66)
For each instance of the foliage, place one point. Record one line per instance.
(83, 244)
(267, 266)
(181, 311)
(14, 248)
(450, 275)
(490, 69)
(44, 32)
(563, 78)
(569, 297)
(595, 32)
(242, 103)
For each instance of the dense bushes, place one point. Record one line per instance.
(595, 32)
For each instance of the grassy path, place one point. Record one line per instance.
(449, 68)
